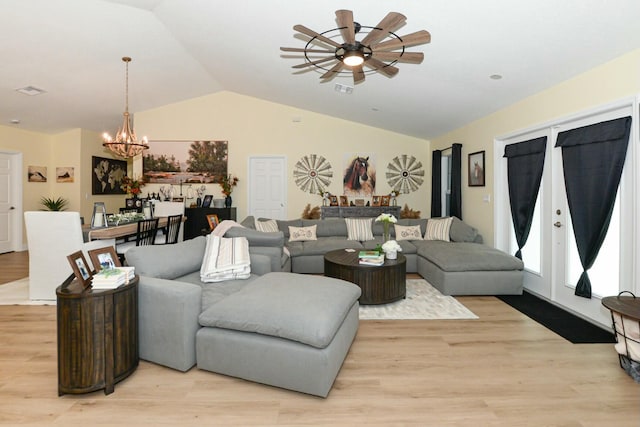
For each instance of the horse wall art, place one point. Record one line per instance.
(359, 176)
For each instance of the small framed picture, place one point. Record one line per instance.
(206, 202)
(213, 221)
(80, 268)
(358, 202)
(476, 169)
(178, 199)
(344, 201)
(104, 258)
(375, 201)
(130, 203)
(384, 200)
(333, 200)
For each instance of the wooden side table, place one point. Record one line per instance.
(97, 337)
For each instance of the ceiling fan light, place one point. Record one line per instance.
(353, 58)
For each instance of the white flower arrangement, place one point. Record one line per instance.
(385, 217)
(391, 246)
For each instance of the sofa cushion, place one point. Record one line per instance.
(303, 308)
(161, 261)
(407, 232)
(328, 227)
(321, 246)
(301, 234)
(461, 231)
(267, 226)
(464, 256)
(438, 229)
(359, 229)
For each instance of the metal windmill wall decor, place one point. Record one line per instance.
(312, 174)
(405, 174)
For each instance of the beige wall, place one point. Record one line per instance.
(609, 82)
(255, 127)
(73, 148)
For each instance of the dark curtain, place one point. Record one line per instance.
(592, 157)
(456, 181)
(436, 184)
(525, 162)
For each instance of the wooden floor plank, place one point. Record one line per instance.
(502, 369)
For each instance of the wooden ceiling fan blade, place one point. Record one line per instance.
(332, 72)
(410, 57)
(304, 30)
(358, 74)
(345, 22)
(391, 22)
(413, 39)
(302, 50)
(387, 70)
(311, 63)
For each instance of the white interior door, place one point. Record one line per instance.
(7, 208)
(552, 265)
(268, 187)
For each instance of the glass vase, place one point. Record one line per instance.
(385, 237)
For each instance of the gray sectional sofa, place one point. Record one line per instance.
(272, 328)
(463, 266)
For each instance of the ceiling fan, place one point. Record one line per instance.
(378, 51)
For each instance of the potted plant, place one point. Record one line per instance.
(227, 182)
(50, 204)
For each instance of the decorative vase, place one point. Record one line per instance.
(228, 201)
(391, 255)
(385, 237)
(199, 201)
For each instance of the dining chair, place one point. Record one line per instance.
(172, 231)
(51, 236)
(166, 209)
(145, 235)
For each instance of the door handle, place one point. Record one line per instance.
(12, 208)
(557, 224)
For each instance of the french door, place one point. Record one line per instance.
(552, 264)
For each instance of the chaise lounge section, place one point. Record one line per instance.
(284, 330)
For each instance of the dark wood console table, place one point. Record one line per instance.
(97, 337)
(197, 219)
(358, 211)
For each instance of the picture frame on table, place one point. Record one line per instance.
(80, 268)
(104, 258)
(344, 201)
(333, 200)
(375, 201)
(476, 169)
(384, 200)
(206, 202)
(213, 221)
(130, 203)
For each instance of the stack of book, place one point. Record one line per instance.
(111, 278)
(370, 258)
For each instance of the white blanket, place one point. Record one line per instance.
(225, 259)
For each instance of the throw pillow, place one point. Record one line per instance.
(268, 226)
(408, 232)
(359, 229)
(438, 229)
(302, 234)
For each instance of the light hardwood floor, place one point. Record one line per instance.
(500, 370)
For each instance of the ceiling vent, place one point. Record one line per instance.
(343, 88)
(31, 91)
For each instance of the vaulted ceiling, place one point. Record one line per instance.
(72, 50)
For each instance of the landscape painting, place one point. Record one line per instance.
(175, 162)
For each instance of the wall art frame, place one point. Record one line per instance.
(107, 175)
(476, 169)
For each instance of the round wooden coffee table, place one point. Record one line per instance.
(380, 284)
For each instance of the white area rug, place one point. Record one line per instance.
(423, 302)
(17, 293)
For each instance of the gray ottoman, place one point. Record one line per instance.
(286, 330)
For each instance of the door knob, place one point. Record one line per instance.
(557, 224)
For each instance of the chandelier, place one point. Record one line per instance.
(125, 144)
